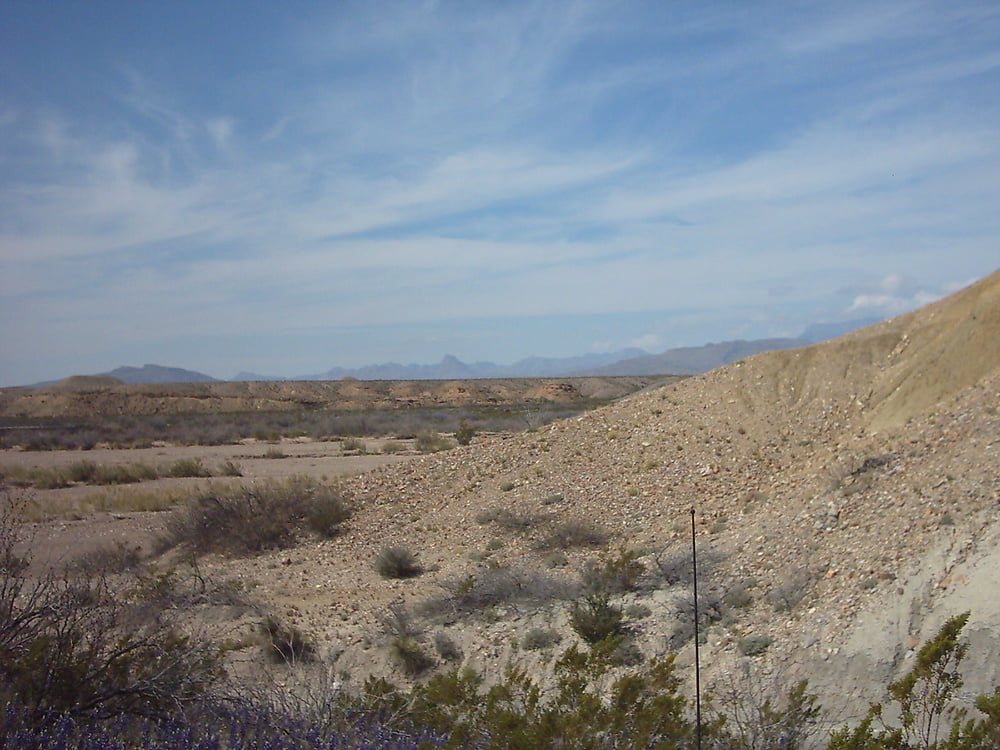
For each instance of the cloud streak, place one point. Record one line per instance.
(440, 164)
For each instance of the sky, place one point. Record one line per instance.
(282, 188)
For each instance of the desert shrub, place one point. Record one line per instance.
(275, 453)
(428, 442)
(326, 513)
(397, 561)
(596, 619)
(464, 433)
(555, 559)
(405, 637)
(552, 499)
(412, 656)
(491, 586)
(675, 564)
(77, 646)
(737, 597)
(507, 486)
(537, 639)
(755, 645)
(575, 532)
(353, 445)
(392, 446)
(758, 717)
(248, 520)
(641, 709)
(188, 467)
(111, 558)
(446, 647)
(626, 653)
(284, 643)
(239, 523)
(637, 611)
(613, 575)
(230, 468)
(790, 589)
(508, 519)
(82, 471)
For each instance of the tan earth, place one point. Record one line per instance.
(851, 487)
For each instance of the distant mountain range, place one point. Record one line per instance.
(689, 360)
(159, 374)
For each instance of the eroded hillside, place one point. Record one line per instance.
(846, 496)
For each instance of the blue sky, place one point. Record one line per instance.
(286, 187)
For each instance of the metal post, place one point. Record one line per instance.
(697, 656)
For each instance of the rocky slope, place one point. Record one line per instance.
(850, 489)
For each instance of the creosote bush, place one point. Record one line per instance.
(397, 561)
(613, 574)
(596, 618)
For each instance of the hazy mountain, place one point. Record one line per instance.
(246, 377)
(452, 368)
(691, 360)
(823, 331)
(159, 374)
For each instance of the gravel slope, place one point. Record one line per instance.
(851, 486)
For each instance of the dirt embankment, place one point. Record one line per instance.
(96, 397)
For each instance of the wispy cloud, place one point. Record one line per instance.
(440, 163)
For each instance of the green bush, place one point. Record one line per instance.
(924, 697)
(596, 619)
(639, 710)
(613, 575)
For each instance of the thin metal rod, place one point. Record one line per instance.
(697, 655)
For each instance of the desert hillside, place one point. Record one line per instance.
(101, 396)
(846, 500)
